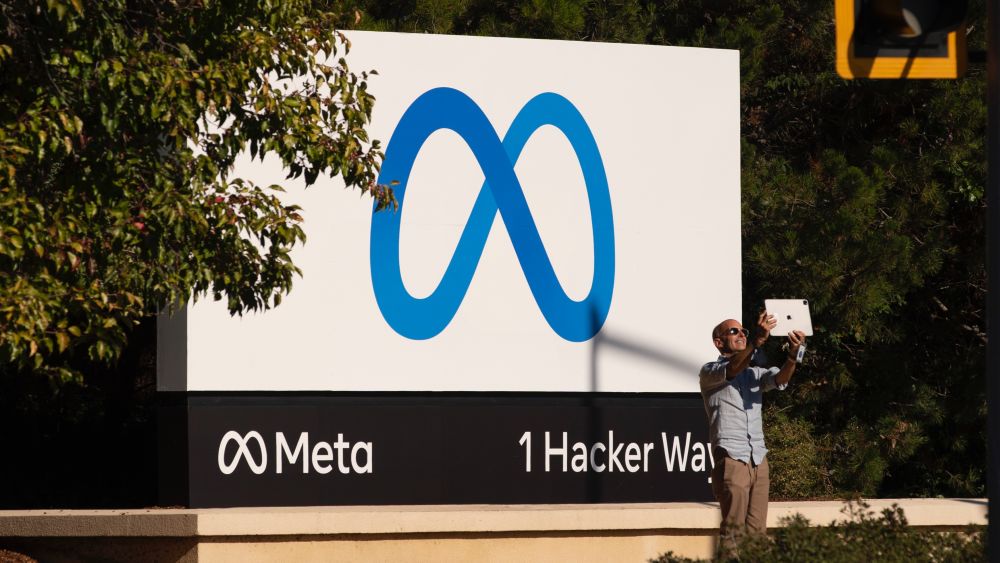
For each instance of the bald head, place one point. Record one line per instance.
(723, 326)
(730, 337)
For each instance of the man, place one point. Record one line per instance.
(732, 389)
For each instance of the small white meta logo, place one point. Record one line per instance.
(323, 457)
(243, 452)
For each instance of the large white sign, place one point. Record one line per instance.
(570, 221)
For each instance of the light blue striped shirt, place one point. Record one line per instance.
(734, 408)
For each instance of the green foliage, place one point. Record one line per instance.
(795, 458)
(863, 536)
(865, 197)
(119, 126)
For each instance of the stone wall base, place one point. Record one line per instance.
(579, 533)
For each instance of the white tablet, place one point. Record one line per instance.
(791, 314)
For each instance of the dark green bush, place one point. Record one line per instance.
(863, 536)
(798, 466)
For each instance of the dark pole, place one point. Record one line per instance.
(993, 285)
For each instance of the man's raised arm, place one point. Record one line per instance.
(741, 360)
(795, 339)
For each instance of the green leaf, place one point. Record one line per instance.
(63, 340)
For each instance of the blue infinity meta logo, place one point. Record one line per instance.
(447, 108)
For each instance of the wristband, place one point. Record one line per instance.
(801, 353)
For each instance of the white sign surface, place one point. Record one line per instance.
(625, 172)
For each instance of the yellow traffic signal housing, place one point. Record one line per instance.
(900, 38)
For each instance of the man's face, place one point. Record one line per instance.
(728, 340)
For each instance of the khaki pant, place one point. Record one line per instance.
(741, 490)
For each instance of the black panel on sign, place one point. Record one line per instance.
(340, 449)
